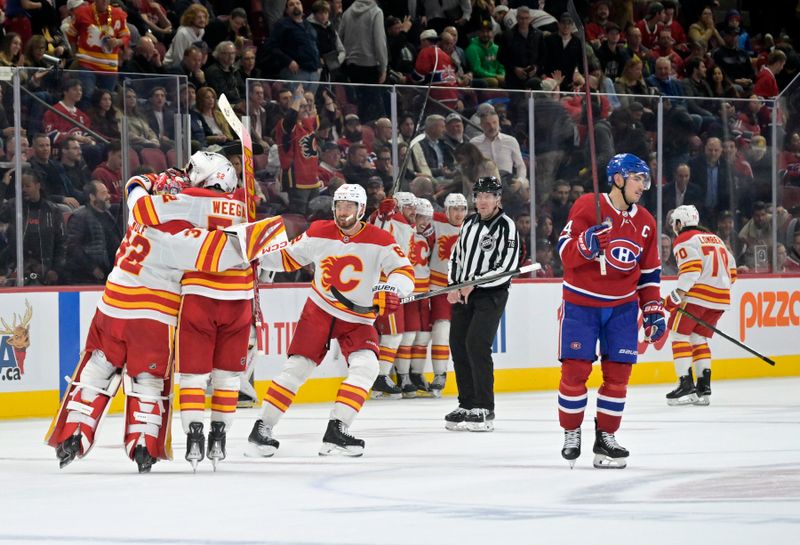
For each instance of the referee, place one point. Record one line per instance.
(488, 244)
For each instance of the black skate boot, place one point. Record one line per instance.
(385, 388)
(195, 444)
(572, 446)
(216, 443)
(437, 385)
(406, 386)
(704, 388)
(479, 420)
(260, 443)
(422, 386)
(68, 450)
(684, 394)
(608, 454)
(143, 459)
(454, 421)
(338, 441)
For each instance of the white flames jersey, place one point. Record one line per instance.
(420, 258)
(446, 235)
(205, 209)
(706, 269)
(354, 265)
(145, 282)
(399, 228)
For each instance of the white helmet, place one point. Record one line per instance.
(352, 193)
(453, 200)
(424, 208)
(687, 214)
(404, 198)
(206, 169)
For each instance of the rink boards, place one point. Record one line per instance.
(765, 314)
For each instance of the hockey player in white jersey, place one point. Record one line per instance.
(352, 256)
(706, 272)
(131, 335)
(446, 228)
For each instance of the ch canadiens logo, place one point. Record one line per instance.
(446, 246)
(623, 255)
(339, 271)
(768, 309)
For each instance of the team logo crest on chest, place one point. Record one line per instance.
(623, 254)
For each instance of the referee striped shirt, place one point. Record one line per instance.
(485, 248)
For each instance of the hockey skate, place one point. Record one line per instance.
(143, 459)
(608, 454)
(216, 443)
(338, 441)
(385, 388)
(260, 443)
(479, 420)
(406, 386)
(684, 394)
(195, 444)
(437, 385)
(68, 450)
(421, 384)
(454, 420)
(704, 388)
(572, 446)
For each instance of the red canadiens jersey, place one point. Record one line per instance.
(446, 236)
(297, 151)
(60, 128)
(92, 32)
(633, 263)
(436, 64)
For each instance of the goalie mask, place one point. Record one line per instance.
(212, 171)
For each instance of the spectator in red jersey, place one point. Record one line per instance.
(57, 126)
(110, 172)
(652, 24)
(672, 24)
(664, 48)
(596, 28)
(766, 85)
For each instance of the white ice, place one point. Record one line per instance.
(728, 473)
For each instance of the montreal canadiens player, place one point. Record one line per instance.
(605, 308)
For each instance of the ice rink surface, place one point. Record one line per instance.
(728, 473)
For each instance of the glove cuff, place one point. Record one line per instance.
(387, 288)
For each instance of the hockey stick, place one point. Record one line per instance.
(725, 335)
(427, 295)
(250, 202)
(590, 122)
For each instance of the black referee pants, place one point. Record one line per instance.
(472, 331)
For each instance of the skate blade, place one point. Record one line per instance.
(455, 426)
(249, 404)
(329, 449)
(409, 395)
(259, 451)
(602, 461)
(436, 393)
(690, 399)
(425, 393)
(571, 464)
(214, 464)
(194, 463)
(703, 401)
(382, 395)
(480, 427)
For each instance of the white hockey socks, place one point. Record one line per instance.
(354, 391)
(283, 388)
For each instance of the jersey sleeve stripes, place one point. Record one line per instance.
(706, 269)
(485, 248)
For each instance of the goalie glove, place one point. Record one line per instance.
(654, 321)
(593, 240)
(672, 301)
(385, 298)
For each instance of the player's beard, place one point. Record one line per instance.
(345, 223)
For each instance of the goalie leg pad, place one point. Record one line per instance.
(86, 402)
(147, 415)
(192, 398)
(354, 391)
(225, 397)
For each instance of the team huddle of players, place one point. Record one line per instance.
(181, 293)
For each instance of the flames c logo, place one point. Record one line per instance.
(333, 271)
(446, 246)
(623, 254)
(419, 253)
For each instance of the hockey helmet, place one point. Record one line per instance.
(405, 198)
(453, 200)
(626, 164)
(687, 214)
(351, 193)
(488, 184)
(424, 208)
(209, 170)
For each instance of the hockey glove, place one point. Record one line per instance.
(386, 208)
(593, 240)
(170, 182)
(385, 298)
(655, 321)
(672, 301)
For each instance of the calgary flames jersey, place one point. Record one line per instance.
(146, 279)
(446, 236)
(706, 269)
(206, 209)
(632, 256)
(354, 264)
(420, 258)
(398, 227)
(92, 37)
